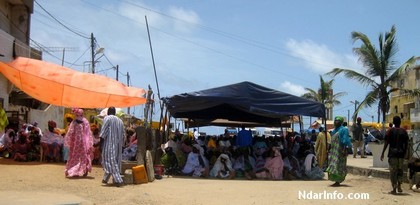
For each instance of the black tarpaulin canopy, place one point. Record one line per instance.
(245, 101)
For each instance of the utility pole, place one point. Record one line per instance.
(62, 59)
(117, 70)
(92, 45)
(128, 79)
(128, 85)
(355, 108)
(348, 115)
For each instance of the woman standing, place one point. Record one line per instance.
(321, 147)
(79, 139)
(337, 157)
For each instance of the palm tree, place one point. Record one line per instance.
(381, 70)
(324, 94)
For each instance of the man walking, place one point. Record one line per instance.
(357, 130)
(397, 139)
(112, 137)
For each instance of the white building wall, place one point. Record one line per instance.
(52, 112)
(6, 51)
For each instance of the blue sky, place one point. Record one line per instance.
(284, 45)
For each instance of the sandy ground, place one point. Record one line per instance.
(44, 183)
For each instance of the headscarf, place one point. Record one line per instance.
(52, 124)
(200, 149)
(218, 165)
(339, 118)
(78, 113)
(69, 115)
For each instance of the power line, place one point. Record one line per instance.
(248, 41)
(60, 22)
(40, 46)
(29, 49)
(45, 48)
(219, 32)
(73, 31)
(199, 45)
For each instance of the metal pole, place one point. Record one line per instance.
(92, 44)
(128, 79)
(128, 85)
(62, 60)
(326, 133)
(355, 107)
(348, 115)
(154, 69)
(153, 61)
(117, 70)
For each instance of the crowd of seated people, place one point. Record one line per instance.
(267, 158)
(52, 143)
(29, 143)
(130, 147)
(21, 145)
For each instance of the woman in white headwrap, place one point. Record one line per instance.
(197, 165)
(223, 168)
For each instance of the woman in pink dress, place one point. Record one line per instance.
(79, 139)
(275, 164)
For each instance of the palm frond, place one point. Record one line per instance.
(388, 51)
(367, 53)
(339, 94)
(351, 74)
(411, 92)
(311, 95)
(403, 69)
(370, 99)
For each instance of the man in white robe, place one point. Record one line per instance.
(112, 136)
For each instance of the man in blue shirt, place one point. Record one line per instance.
(244, 138)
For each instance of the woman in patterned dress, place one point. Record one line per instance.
(337, 157)
(79, 139)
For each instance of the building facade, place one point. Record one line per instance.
(15, 23)
(405, 106)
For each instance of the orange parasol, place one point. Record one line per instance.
(61, 86)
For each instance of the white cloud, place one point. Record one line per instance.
(319, 57)
(185, 19)
(137, 14)
(291, 88)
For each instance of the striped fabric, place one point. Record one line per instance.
(113, 136)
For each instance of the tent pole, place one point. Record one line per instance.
(281, 126)
(300, 124)
(326, 134)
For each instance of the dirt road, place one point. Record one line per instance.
(36, 183)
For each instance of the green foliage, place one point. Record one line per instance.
(381, 69)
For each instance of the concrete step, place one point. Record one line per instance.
(372, 172)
